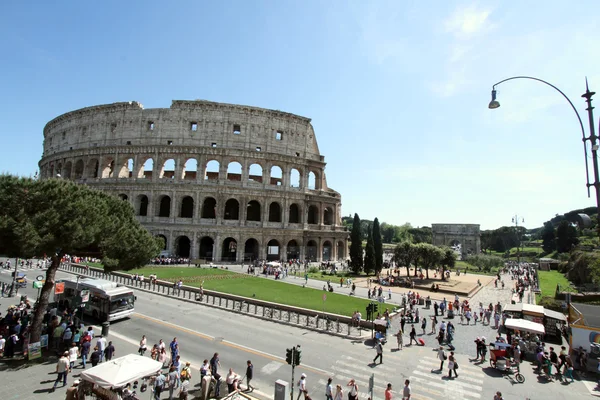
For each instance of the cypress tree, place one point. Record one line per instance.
(356, 251)
(377, 246)
(369, 255)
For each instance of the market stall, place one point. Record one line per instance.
(106, 380)
(553, 321)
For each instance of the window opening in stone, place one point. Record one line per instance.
(212, 171)
(113, 128)
(258, 148)
(206, 248)
(142, 206)
(297, 154)
(294, 217)
(183, 246)
(253, 211)
(187, 207)
(164, 209)
(234, 171)
(255, 173)
(251, 250)
(194, 126)
(209, 208)
(276, 175)
(150, 125)
(294, 178)
(129, 171)
(229, 252)
(328, 216)
(169, 142)
(168, 169)
(129, 142)
(232, 210)
(237, 130)
(213, 145)
(123, 196)
(190, 169)
(311, 250)
(273, 250)
(312, 180)
(279, 135)
(327, 253)
(147, 169)
(274, 212)
(313, 215)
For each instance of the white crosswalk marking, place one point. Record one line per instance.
(271, 367)
(451, 391)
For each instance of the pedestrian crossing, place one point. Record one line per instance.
(427, 381)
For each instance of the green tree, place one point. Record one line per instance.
(387, 232)
(548, 237)
(430, 256)
(356, 250)
(566, 237)
(421, 235)
(57, 217)
(378, 246)
(448, 261)
(405, 254)
(485, 262)
(370, 262)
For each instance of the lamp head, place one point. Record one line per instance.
(494, 103)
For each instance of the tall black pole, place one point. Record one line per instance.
(593, 138)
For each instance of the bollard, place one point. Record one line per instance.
(263, 309)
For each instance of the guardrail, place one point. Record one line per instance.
(334, 324)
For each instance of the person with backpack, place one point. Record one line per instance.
(379, 355)
(186, 372)
(95, 357)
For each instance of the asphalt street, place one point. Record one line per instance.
(202, 331)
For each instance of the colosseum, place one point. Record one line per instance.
(217, 182)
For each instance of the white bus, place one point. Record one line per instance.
(108, 301)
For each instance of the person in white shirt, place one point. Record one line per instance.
(73, 354)
(161, 345)
(101, 344)
(301, 386)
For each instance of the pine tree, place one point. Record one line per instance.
(377, 246)
(356, 250)
(369, 266)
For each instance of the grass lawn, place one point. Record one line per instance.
(263, 289)
(548, 282)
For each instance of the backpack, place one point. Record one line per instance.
(185, 373)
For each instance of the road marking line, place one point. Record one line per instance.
(271, 367)
(450, 383)
(435, 367)
(448, 389)
(462, 364)
(356, 364)
(349, 373)
(463, 377)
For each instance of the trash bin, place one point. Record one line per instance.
(105, 326)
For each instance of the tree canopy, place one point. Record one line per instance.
(369, 261)
(55, 217)
(356, 251)
(377, 246)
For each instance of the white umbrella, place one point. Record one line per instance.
(121, 371)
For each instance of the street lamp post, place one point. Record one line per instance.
(592, 138)
(515, 219)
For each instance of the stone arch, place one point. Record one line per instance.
(79, 165)
(313, 215)
(206, 248)
(212, 170)
(146, 169)
(294, 215)
(341, 250)
(123, 197)
(295, 178)
(124, 169)
(255, 173)
(327, 252)
(276, 175)
(164, 238)
(229, 250)
(328, 216)
(234, 171)
(273, 250)
(311, 250)
(274, 212)
(232, 210)
(293, 250)
(251, 250)
(209, 208)
(59, 169)
(312, 180)
(141, 205)
(67, 170)
(164, 206)
(51, 169)
(183, 247)
(108, 167)
(190, 170)
(187, 207)
(253, 211)
(168, 169)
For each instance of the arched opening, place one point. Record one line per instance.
(234, 171)
(273, 250)
(327, 254)
(229, 251)
(190, 170)
(274, 212)
(328, 216)
(251, 249)
(142, 205)
(146, 169)
(232, 209)
(67, 172)
(253, 211)
(313, 215)
(276, 176)
(93, 166)
(293, 250)
(79, 169)
(164, 241)
(123, 197)
(295, 178)
(209, 208)
(212, 170)
(311, 250)
(168, 169)
(183, 247)
(312, 180)
(187, 207)
(59, 170)
(124, 167)
(341, 252)
(130, 167)
(255, 173)
(294, 217)
(108, 168)
(164, 208)
(206, 248)
(51, 174)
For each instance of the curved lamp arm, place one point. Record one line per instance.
(566, 98)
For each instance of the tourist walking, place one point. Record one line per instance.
(379, 355)
(407, 391)
(301, 386)
(249, 375)
(399, 338)
(388, 392)
(413, 335)
(329, 390)
(442, 357)
(143, 346)
(62, 369)
(339, 393)
(452, 365)
(353, 392)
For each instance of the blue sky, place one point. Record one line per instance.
(397, 90)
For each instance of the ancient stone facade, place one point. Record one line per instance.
(467, 235)
(220, 182)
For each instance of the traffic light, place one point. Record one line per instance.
(288, 356)
(297, 357)
(374, 307)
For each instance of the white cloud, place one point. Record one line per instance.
(466, 21)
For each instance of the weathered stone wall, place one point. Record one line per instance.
(217, 181)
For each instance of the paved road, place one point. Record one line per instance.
(201, 331)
